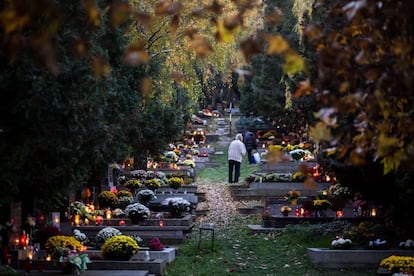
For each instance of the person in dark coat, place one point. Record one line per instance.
(250, 141)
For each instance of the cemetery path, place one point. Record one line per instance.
(222, 207)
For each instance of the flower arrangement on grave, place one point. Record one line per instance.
(155, 244)
(124, 201)
(359, 205)
(297, 154)
(122, 193)
(285, 210)
(189, 162)
(407, 244)
(321, 204)
(292, 195)
(398, 264)
(72, 261)
(152, 184)
(299, 176)
(138, 239)
(378, 244)
(139, 174)
(137, 212)
(119, 248)
(77, 207)
(162, 177)
(80, 236)
(107, 233)
(107, 199)
(341, 243)
(338, 190)
(175, 182)
(323, 194)
(133, 184)
(55, 243)
(177, 205)
(118, 213)
(146, 195)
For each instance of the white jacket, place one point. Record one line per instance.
(236, 150)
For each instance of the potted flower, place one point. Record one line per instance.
(152, 184)
(137, 212)
(407, 244)
(71, 261)
(359, 205)
(337, 190)
(266, 217)
(285, 210)
(292, 196)
(106, 233)
(133, 184)
(120, 247)
(156, 245)
(139, 174)
(320, 205)
(378, 244)
(54, 244)
(107, 199)
(145, 196)
(176, 205)
(341, 243)
(124, 201)
(397, 264)
(175, 182)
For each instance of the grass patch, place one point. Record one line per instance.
(237, 251)
(220, 171)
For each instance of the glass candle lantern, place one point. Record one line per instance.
(76, 220)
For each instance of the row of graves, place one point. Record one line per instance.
(290, 187)
(135, 223)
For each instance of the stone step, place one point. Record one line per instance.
(257, 190)
(154, 266)
(285, 167)
(35, 272)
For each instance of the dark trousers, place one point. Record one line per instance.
(249, 156)
(234, 166)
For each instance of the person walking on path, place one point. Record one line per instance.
(251, 144)
(235, 156)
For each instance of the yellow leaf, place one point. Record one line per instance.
(226, 29)
(277, 45)
(136, 54)
(146, 87)
(309, 183)
(93, 12)
(294, 63)
(100, 67)
(201, 46)
(387, 145)
(320, 132)
(392, 162)
(304, 88)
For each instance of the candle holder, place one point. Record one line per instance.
(56, 219)
(76, 220)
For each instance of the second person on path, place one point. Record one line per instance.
(235, 156)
